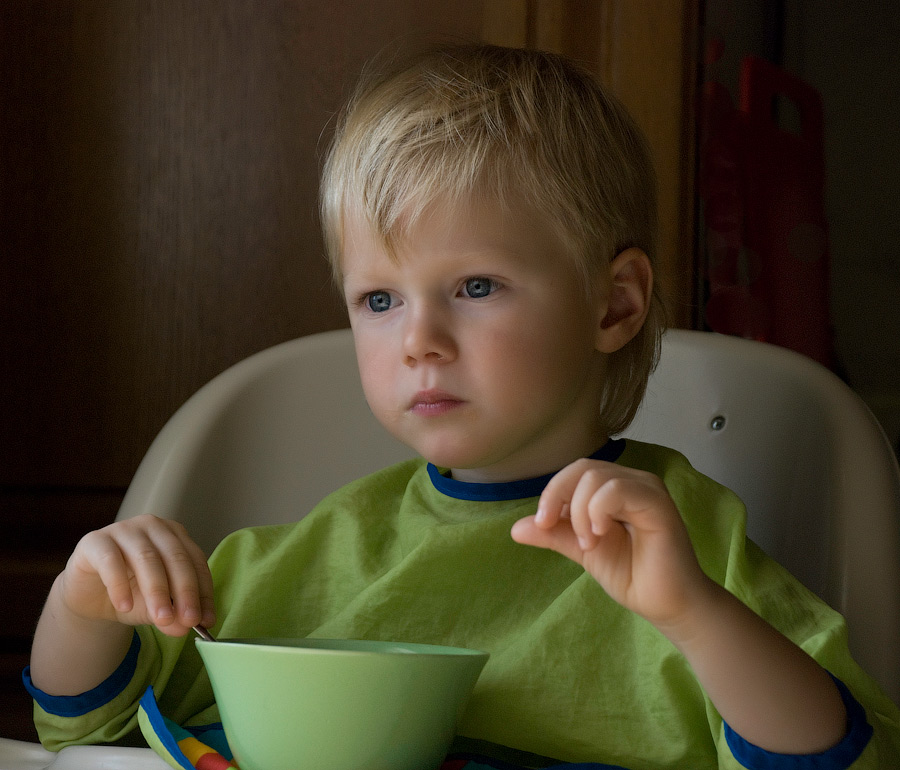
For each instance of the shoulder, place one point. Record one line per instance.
(380, 489)
(351, 526)
(389, 482)
(680, 477)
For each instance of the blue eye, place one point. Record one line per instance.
(479, 287)
(378, 301)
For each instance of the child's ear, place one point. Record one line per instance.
(627, 300)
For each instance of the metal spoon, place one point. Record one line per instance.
(203, 633)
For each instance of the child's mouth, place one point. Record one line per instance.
(432, 403)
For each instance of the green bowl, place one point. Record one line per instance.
(336, 704)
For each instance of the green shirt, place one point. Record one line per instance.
(573, 676)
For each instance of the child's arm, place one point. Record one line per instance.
(134, 572)
(623, 527)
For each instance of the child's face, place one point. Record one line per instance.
(476, 347)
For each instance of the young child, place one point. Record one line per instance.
(490, 217)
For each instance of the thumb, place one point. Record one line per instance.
(560, 537)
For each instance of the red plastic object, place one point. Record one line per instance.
(784, 208)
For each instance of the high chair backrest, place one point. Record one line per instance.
(815, 470)
(264, 441)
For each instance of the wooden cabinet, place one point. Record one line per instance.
(158, 218)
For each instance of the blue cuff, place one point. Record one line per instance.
(103, 693)
(838, 757)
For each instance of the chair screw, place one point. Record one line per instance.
(717, 422)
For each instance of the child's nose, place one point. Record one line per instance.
(427, 338)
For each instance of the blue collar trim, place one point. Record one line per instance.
(511, 490)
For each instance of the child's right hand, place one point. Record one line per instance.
(140, 571)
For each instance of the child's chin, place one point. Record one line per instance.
(443, 457)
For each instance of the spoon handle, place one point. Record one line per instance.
(204, 634)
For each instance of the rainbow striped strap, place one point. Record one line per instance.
(184, 748)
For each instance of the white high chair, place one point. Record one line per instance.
(267, 439)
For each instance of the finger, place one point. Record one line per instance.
(560, 538)
(634, 502)
(204, 579)
(558, 494)
(151, 576)
(607, 506)
(104, 557)
(583, 505)
(180, 559)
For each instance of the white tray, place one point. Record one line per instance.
(21, 755)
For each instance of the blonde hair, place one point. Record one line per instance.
(522, 126)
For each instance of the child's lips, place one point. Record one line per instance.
(433, 402)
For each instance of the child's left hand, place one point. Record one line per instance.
(622, 526)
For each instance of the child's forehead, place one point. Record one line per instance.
(482, 211)
(477, 221)
(483, 235)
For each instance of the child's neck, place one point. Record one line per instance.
(527, 468)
